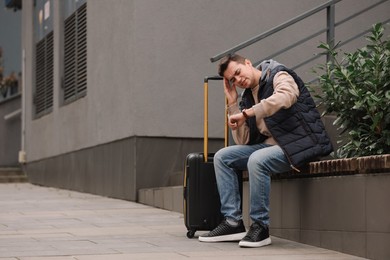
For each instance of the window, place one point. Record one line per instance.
(75, 55)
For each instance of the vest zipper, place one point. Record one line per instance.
(288, 158)
(293, 167)
(285, 153)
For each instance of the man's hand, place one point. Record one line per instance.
(230, 92)
(236, 120)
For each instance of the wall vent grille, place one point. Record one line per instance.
(75, 55)
(43, 96)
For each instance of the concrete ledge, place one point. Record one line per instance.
(169, 198)
(337, 204)
(346, 213)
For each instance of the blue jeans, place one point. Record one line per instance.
(261, 160)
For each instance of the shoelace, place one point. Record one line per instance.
(220, 229)
(254, 230)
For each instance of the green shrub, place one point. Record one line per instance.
(356, 88)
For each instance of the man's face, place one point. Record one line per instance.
(240, 75)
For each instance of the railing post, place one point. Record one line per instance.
(330, 35)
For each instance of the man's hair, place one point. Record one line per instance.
(224, 63)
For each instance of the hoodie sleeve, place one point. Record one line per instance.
(285, 95)
(241, 134)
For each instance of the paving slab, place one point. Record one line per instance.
(53, 224)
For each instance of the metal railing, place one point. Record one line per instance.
(330, 32)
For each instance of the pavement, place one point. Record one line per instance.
(52, 224)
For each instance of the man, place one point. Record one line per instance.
(276, 128)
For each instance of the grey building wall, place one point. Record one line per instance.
(10, 131)
(146, 64)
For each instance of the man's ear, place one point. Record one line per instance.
(248, 62)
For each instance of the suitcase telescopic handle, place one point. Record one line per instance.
(206, 117)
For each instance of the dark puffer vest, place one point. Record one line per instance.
(298, 130)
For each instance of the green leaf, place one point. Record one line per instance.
(356, 89)
(387, 94)
(353, 92)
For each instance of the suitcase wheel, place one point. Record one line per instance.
(191, 233)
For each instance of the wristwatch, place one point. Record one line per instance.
(245, 114)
